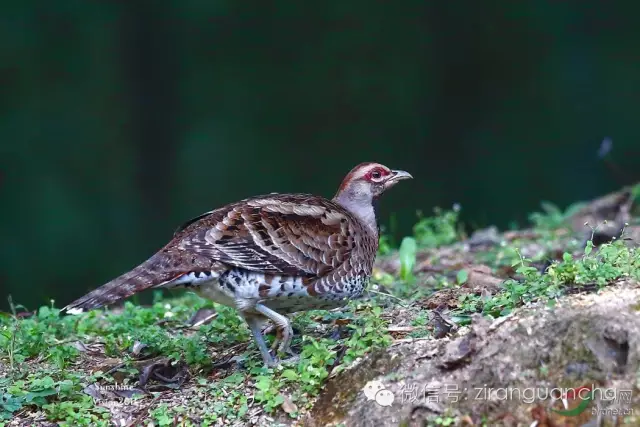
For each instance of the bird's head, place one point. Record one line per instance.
(365, 183)
(370, 180)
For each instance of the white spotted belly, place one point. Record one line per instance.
(242, 289)
(213, 291)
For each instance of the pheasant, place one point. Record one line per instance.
(269, 255)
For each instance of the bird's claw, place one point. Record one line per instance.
(276, 361)
(291, 360)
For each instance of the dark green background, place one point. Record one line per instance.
(121, 119)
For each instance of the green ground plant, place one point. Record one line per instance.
(44, 364)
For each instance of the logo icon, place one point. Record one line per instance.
(375, 390)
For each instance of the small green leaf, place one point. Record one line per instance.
(10, 403)
(263, 383)
(505, 311)
(42, 393)
(279, 399)
(589, 247)
(407, 254)
(550, 208)
(461, 320)
(290, 374)
(462, 277)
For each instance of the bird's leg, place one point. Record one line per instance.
(277, 340)
(255, 325)
(284, 329)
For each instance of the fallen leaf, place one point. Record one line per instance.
(138, 347)
(287, 405)
(129, 393)
(93, 391)
(202, 317)
(170, 375)
(79, 345)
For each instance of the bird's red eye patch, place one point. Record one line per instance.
(376, 173)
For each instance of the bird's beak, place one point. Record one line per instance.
(397, 176)
(400, 175)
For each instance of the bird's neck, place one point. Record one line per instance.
(361, 206)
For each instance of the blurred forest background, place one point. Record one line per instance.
(119, 120)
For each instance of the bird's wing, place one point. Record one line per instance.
(296, 235)
(293, 235)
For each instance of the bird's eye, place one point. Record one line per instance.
(376, 174)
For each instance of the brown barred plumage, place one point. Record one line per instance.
(269, 255)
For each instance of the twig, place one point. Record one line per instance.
(407, 340)
(145, 412)
(402, 303)
(400, 329)
(115, 368)
(69, 341)
(14, 332)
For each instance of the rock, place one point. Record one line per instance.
(504, 370)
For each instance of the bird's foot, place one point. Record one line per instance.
(272, 362)
(291, 360)
(277, 341)
(275, 361)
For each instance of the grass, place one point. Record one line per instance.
(611, 262)
(47, 361)
(437, 230)
(47, 372)
(552, 217)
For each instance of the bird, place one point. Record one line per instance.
(268, 256)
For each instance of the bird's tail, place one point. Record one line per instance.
(146, 275)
